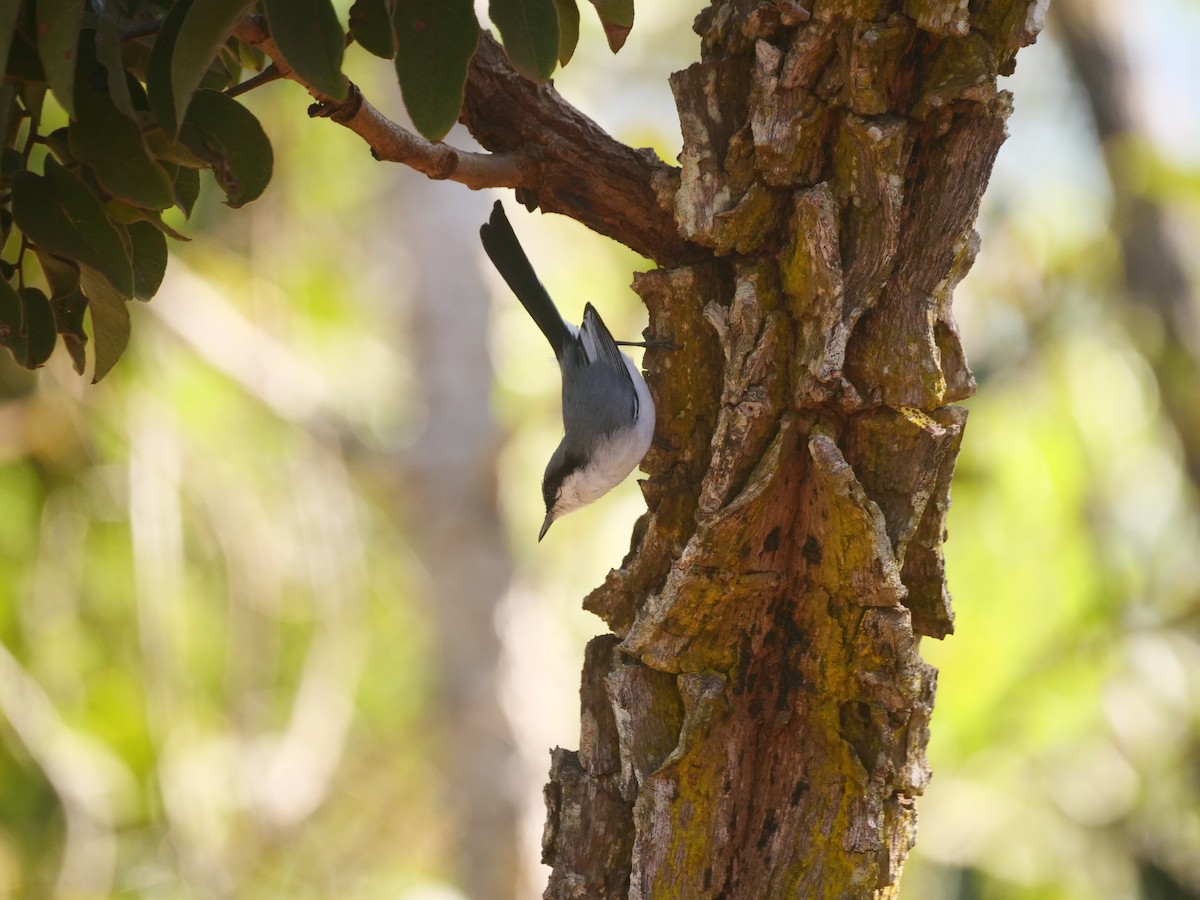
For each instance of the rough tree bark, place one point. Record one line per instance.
(755, 725)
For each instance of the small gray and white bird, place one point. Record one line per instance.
(607, 411)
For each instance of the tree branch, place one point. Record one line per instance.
(391, 142)
(388, 140)
(266, 76)
(579, 170)
(556, 157)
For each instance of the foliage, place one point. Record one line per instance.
(110, 111)
(258, 628)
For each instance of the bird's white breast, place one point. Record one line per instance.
(617, 456)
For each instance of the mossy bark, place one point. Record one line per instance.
(756, 724)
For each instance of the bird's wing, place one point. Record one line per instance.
(598, 395)
(599, 345)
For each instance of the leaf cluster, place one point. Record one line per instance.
(146, 89)
(432, 42)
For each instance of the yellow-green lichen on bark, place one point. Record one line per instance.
(947, 17)
(876, 51)
(750, 223)
(963, 69)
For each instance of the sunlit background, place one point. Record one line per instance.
(274, 622)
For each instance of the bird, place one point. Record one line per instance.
(607, 411)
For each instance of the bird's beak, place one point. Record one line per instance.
(546, 525)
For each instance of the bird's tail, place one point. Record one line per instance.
(510, 261)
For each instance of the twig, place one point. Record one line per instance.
(388, 140)
(391, 142)
(266, 76)
(133, 32)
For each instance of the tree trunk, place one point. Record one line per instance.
(755, 726)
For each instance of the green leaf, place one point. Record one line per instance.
(69, 310)
(312, 41)
(435, 40)
(158, 71)
(38, 330)
(58, 142)
(62, 275)
(371, 25)
(205, 27)
(170, 150)
(137, 96)
(136, 55)
(58, 24)
(568, 29)
(226, 134)
(108, 54)
(68, 303)
(124, 214)
(252, 58)
(149, 259)
(110, 321)
(11, 162)
(230, 61)
(24, 66)
(187, 189)
(529, 29)
(8, 22)
(26, 325)
(62, 216)
(8, 102)
(11, 318)
(112, 145)
(617, 18)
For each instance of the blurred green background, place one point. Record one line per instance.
(273, 621)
